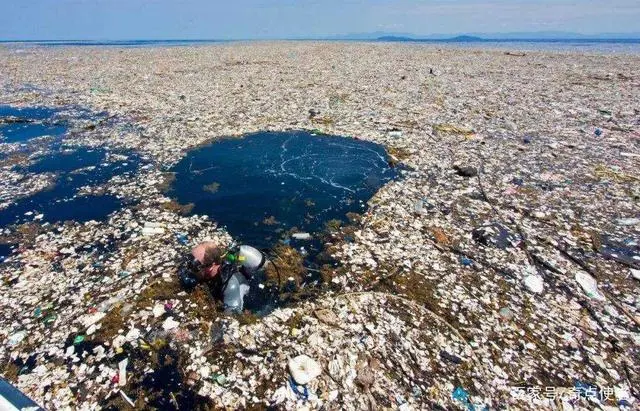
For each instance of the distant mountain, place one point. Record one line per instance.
(395, 38)
(371, 36)
(461, 39)
(466, 38)
(539, 35)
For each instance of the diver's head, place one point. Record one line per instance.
(212, 262)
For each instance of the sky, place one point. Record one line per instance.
(268, 19)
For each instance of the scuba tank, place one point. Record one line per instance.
(250, 259)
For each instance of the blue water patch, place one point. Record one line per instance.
(75, 168)
(265, 184)
(67, 160)
(57, 209)
(5, 251)
(20, 124)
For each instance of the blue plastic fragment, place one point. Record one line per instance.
(304, 394)
(598, 132)
(182, 238)
(460, 394)
(466, 261)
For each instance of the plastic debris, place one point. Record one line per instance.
(466, 171)
(566, 184)
(127, 399)
(300, 390)
(122, 372)
(461, 395)
(220, 379)
(301, 236)
(452, 129)
(132, 335)
(623, 396)
(158, 310)
(217, 332)
(629, 221)
(233, 296)
(17, 338)
(91, 319)
(496, 235)
(450, 357)
(506, 313)
(182, 238)
(534, 283)
(170, 324)
(303, 369)
(152, 228)
(589, 285)
(465, 261)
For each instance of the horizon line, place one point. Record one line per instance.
(632, 36)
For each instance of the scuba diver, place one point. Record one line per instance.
(227, 272)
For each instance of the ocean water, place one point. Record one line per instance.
(601, 46)
(20, 124)
(5, 251)
(263, 185)
(631, 46)
(74, 167)
(113, 43)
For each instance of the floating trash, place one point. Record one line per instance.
(626, 251)
(534, 283)
(304, 369)
(496, 235)
(16, 338)
(589, 286)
